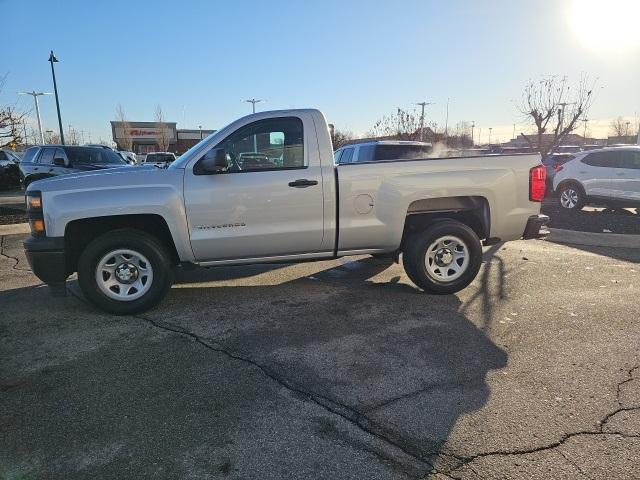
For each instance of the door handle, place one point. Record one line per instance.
(302, 183)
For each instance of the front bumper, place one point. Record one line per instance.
(47, 258)
(536, 227)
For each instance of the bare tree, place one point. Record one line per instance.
(163, 137)
(125, 142)
(460, 137)
(618, 127)
(340, 137)
(555, 109)
(71, 137)
(402, 125)
(11, 123)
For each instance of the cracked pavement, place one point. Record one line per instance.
(335, 369)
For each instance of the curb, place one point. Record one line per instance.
(616, 240)
(15, 229)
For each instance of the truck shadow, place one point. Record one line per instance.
(353, 336)
(407, 363)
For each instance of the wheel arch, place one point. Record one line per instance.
(473, 211)
(79, 233)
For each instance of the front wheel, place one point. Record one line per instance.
(125, 271)
(444, 258)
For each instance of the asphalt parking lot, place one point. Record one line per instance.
(336, 369)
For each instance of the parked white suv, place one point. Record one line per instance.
(609, 176)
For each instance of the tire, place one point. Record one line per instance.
(444, 258)
(571, 196)
(135, 271)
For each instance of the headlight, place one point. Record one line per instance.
(34, 212)
(34, 201)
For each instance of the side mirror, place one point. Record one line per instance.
(214, 161)
(60, 162)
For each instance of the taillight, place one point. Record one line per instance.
(537, 183)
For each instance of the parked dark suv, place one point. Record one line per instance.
(52, 160)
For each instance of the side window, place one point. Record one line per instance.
(46, 157)
(60, 153)
(365, 153)
(347, 154)
(3, 156)
(631, 159)
(337, 155)
(272, 144)
(602, 159)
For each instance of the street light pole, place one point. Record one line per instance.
(52, 60)
(490, 128)
(473, 125)
(253, 102)
(35, 96)
(423, 104)
(200, 127)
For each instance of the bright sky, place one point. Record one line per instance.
(354, 60)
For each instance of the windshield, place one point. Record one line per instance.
(93, 156)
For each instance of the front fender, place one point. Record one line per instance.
(62, 207)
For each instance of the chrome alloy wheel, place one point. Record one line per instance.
(569, 198)
(447, 258)
(124, 275)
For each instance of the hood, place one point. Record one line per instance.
(107, 178)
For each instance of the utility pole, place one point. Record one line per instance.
(584, 134)
(35, 96)
(446, 122)
(473, 125)
(53, 59)
(253, 102)
(422, 104)
(561, 110)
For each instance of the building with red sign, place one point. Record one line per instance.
(146, 137)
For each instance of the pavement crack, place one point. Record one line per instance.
(16, 260)
(348, 413)
(630, 378)
(412, 394)
(575, 465)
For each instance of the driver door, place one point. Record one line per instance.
(269, 201)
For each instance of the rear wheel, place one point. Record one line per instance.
(444, 258)
(125, 271)
(571, 196)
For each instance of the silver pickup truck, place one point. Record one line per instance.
(266, 188)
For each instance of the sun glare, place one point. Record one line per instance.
(607, 25)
